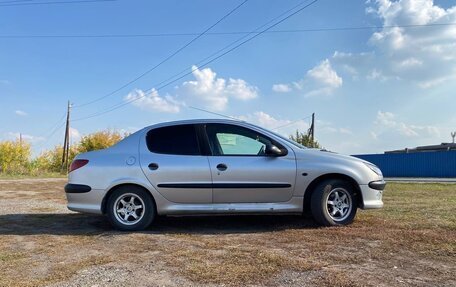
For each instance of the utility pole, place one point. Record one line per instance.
(453, 135)
(66, 141)
(312, 127)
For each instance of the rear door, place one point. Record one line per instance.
(242, 172)
(171, 159)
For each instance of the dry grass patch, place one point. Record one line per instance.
(233, 265)
(336, 278)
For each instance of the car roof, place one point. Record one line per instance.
(198, 121)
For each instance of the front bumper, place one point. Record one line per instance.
(372, 194)
(377, 184)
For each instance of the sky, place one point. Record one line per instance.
(388, 84)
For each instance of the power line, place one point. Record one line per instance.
(214, 113)
(226, 47)
(167, 58)
(201, 62)
(54, 2)
(115, 107)
(291, 123)
(327, 29)
(14, 1)
(54, 128)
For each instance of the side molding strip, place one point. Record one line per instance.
(224, 185)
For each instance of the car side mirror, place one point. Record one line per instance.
(272, 150)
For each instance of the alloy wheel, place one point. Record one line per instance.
(129, 208)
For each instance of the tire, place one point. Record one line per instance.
(333, 203)
(130, 208)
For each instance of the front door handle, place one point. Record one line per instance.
(153, 166)
(222, 167)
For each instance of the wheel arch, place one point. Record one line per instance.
(311, 187)
(115, 187)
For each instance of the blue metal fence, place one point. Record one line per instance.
(420, 164)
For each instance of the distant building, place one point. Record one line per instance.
(427, 148)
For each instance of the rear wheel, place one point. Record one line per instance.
(333, 203)
(130, 208)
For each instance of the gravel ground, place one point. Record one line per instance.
(42, 243)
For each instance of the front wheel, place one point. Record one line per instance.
(130, 208)
(333, 203)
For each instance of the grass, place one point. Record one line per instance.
(411, 241)
(10, 257)
(27, 176)
(420, 205)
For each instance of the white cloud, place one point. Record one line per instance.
(325, 131)
(213, 92)
(374, 135)
(329, 128)
(321, 80)
(74, 134)
(387, 124)
(282, 126)
(325, 75)
(410, 63)
(207, 90)
(25, 137)
(281, 88)
(345, 131)
(375, 75)
(424, 56)
(20, 113)
(153, 101)
(417, 12)
(426, 84)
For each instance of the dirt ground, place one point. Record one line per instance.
(411, 242)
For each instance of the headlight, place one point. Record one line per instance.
(374, 168)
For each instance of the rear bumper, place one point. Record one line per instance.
(372, 197)
(87, 202)
(77, 188)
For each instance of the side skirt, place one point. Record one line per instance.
(295, 205)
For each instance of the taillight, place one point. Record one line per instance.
(78, 163)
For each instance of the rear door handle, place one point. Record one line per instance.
(153, 166)
(222, 167)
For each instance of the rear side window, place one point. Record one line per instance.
(179, 140)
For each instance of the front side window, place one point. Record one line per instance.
(234, 140)
(178, 140)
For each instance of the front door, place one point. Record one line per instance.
(241, 170)
(172, 161)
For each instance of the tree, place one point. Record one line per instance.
(14, 156)
(99, 140)
(51, 160)
(305, 139)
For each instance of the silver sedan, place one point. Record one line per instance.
(219, 167)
